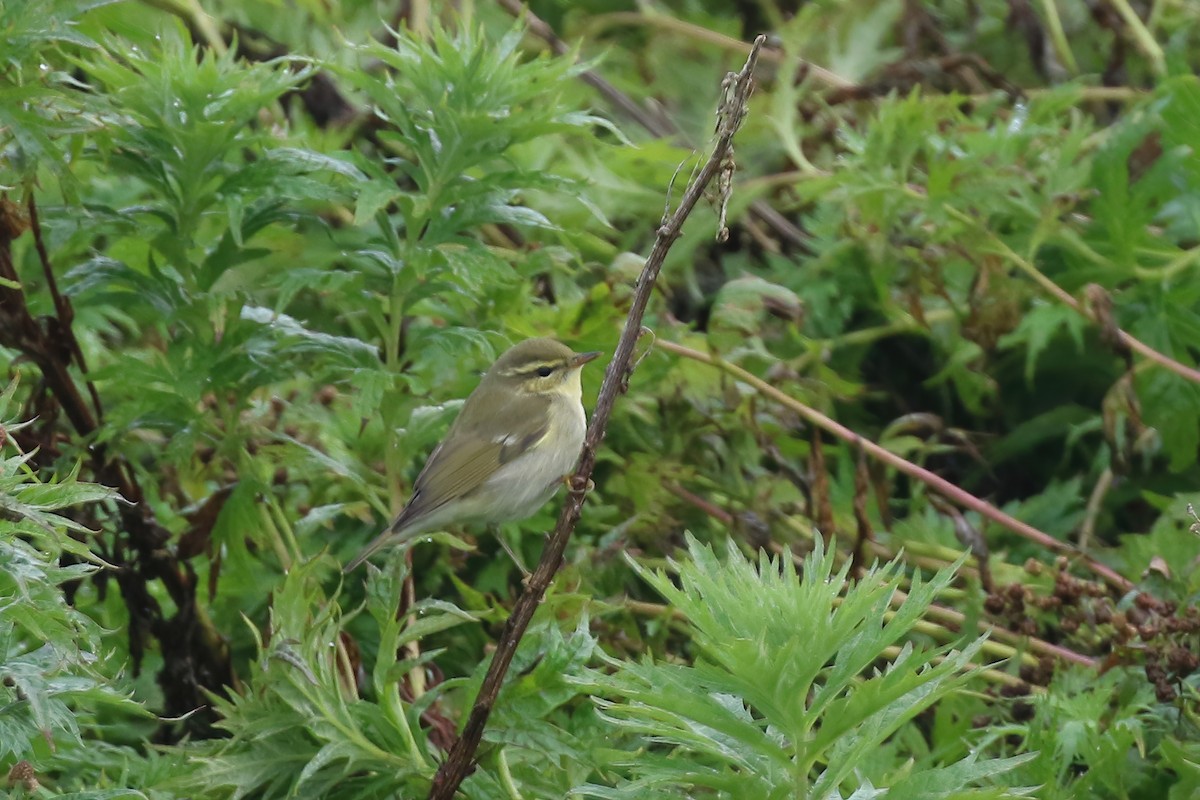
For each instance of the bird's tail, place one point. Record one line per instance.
(378, 543)
(396, 533)
(406, 525)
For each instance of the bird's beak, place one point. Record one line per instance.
(582, 358)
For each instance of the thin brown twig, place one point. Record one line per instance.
(460, 761)
(705, 505)
(939, 484)
(1066, 298)
(541, 29)
(823, 75)
(1092, 510)
(195, 660)
(62, 305)
(657, 125)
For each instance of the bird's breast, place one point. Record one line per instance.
(523, 485)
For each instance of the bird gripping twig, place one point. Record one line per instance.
(731, 112)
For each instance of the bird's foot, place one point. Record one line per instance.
(576, 486)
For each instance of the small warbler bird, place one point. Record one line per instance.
(516, 437)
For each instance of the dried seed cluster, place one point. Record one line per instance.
(1082, 614)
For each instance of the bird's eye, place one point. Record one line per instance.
(545, 372)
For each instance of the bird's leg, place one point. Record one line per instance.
(513, 555)
(573, 486)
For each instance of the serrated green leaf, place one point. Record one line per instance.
(1037, 329)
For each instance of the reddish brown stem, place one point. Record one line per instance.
(195, 659)
(460, 761)
(939, 484)
(62, 305)
(656, 124)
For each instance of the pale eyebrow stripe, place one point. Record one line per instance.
(532, 368)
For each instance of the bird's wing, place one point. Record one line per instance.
(465, 459)
(469, 456)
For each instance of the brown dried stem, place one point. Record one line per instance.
(730, 114)
(195, 659)
(62, 305)
(939, 484)
(658, 125)
(1120, 337)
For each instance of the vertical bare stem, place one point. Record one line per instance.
(730, 114)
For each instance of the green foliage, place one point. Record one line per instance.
(1092, 736)
(464, 105)
(783, 698)
(59, 680)
(298, 727)
(181, 114)
(35, 110)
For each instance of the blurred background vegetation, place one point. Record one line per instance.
(253, 254)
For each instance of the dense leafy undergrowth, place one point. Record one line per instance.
(251, 256)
